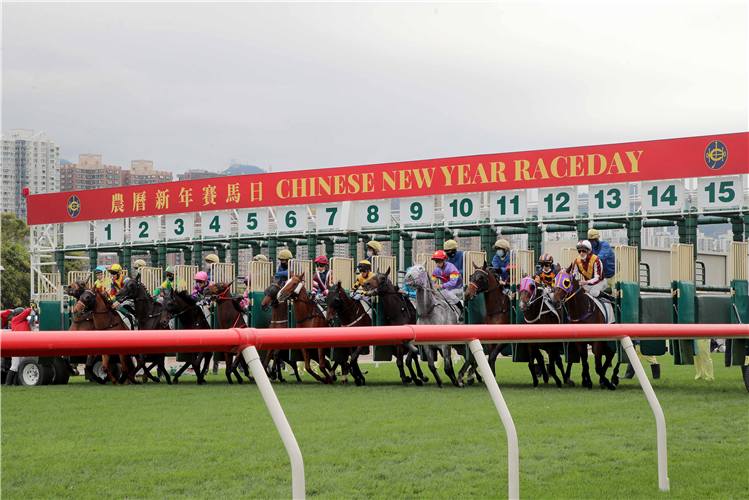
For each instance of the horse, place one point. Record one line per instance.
(352, 313)
(151, 316)
(279, 318)
(181, 306)
(582, 308)
(433, 309)
(496, 303)
(96, 304)
(85, 323)
(307, 316)
(399, 311)
(533, 304)
(229, 316)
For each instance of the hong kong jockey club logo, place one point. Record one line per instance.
(74, 206)
(716, 155)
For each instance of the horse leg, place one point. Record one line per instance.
(475, 370)
(598, 354)
(105, 366)
(462, 372)
(293, 367)
(266, 364)
(447, 355)
(540, 361)
(324, 366)
(413, 357)
(231, 368)
(278, 365)
(554, 358)
(608, 355)
(493, 353)
(358, 375)
(583, 351)
(308, 366)
(531, 362)
(399, 363)
(161, 363)
(207, 356)
(430, 361)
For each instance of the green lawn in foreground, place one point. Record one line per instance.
(380, 441)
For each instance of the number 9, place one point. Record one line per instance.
(416, 211)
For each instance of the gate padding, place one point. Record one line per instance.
(683, 313)
(740, 315)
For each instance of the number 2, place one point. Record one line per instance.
(143, 226)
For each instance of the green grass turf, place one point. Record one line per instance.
(380, 441)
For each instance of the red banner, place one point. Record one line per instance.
(629, 162)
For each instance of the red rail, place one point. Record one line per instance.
(65, 343)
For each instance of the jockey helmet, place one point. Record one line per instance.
(115, 268)
(546, 259)
(364, 266)
(285, 255)
(450, 245)
(212, 257)
(584, 245)
(260, 258)
(375, 245)
(169, 270)
(504, 244)
(593, 234)
(246, 280)
(201, 276)
(322, 260)
(439, 255)
(100, 269)
(139, 263)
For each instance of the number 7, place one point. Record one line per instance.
(332, 211)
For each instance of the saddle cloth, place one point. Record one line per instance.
(607, 309)
(126, 320)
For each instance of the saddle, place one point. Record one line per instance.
(128, 320)
(606, 308)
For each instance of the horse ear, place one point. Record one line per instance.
(484, 266)
(475, 266)
(387, 273)
(300, 276)
(424, 264)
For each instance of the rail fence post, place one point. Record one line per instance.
(660, 419)
(513, 465)
(279, 418)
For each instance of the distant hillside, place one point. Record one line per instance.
(237, 169)
(63, 161)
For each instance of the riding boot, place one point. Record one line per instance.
(656, 371)
(606, 296)
(11, 378)
(630, 372)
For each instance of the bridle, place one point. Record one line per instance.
(339, 312)
(479, 289)
(563, 276)
(422, 282)
(90, 298)
(297, 290)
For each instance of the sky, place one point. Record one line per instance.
(293, 86)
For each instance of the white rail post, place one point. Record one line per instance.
(660, 420)
(513, 465)
(276, 412)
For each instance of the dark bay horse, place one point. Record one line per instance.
(399, 311)
(581, 308)
(151, 316)
(351, 313)
(84, 322)
(536, 309)
(307, 316)
(279, 318)
(180, 305)
(97, 304)
(496, 303)
(229, 316)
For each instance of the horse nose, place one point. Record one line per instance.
(523, 306)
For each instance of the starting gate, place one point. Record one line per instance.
(426, 259)
(469, 259)
(626, 264)
(184, 277)
(224, 273)
(522, 264)
(49, 287)
(739, 261)
(87, 276)
(682, 262)
(151, 277)
(568, 257)
(298, 266)
(261, 278)
(342, 269)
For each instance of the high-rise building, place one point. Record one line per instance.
(89, 173)
(142, 172)
(194, 174)
(30, 160)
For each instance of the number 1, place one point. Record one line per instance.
(108, 229)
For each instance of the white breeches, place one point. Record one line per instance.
(595, 290)
(14, 363)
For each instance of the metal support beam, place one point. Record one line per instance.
(311, 246)
(353, 243)
(272, 249)
(234, 252)
(408, 246)
(488, 238)
(197, 256)
(395, 249)
(582, 229)
(93, 257)
(634, 235)
(439, 238)
(535, 239)
(60, 257)
(162, 256)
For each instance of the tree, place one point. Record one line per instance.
(16, 287)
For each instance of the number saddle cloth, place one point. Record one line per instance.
(606, 308)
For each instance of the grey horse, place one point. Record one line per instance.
(433, 309)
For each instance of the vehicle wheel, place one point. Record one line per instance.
(98, 369)
(62, 375)
(32, 373)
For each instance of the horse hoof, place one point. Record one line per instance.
(175, 381)
(406, 379)
(471, 381)
(418, 382)
(611, 387)
(240, 381)
(425, 379)
(615, 380)
(570, 382)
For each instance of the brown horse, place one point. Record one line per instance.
(581, 308)
(279, 318)
(85, 322)
(533, 303)
(399, 311)
(104, 318)
(229, 316)
(352, 313)
(307, 316)
(496, 303)
(179, 305)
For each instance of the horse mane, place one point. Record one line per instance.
(185, 296)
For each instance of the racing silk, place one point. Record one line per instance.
(117, 285)
(321, 282)
(411, 292)
(603, 251)
(164, 287)
(20, 323)
(457, 261)
(547, 279)
(359, 283)
(283, 274)
(448, 275)
(99, 284)
(591, 269)
(502, 265)
(197, 292)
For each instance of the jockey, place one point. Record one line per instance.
(166, 286)
(99, 271)
(454, 257)
(365, 274)
(373, 248)
(136, 267)
(201, 283)
(321, 279)
(501, 261)
(210, 259)
(603, 251)
(284, 256)
(446, 278)
(590, 268)
(546, 271)
(118, 281)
